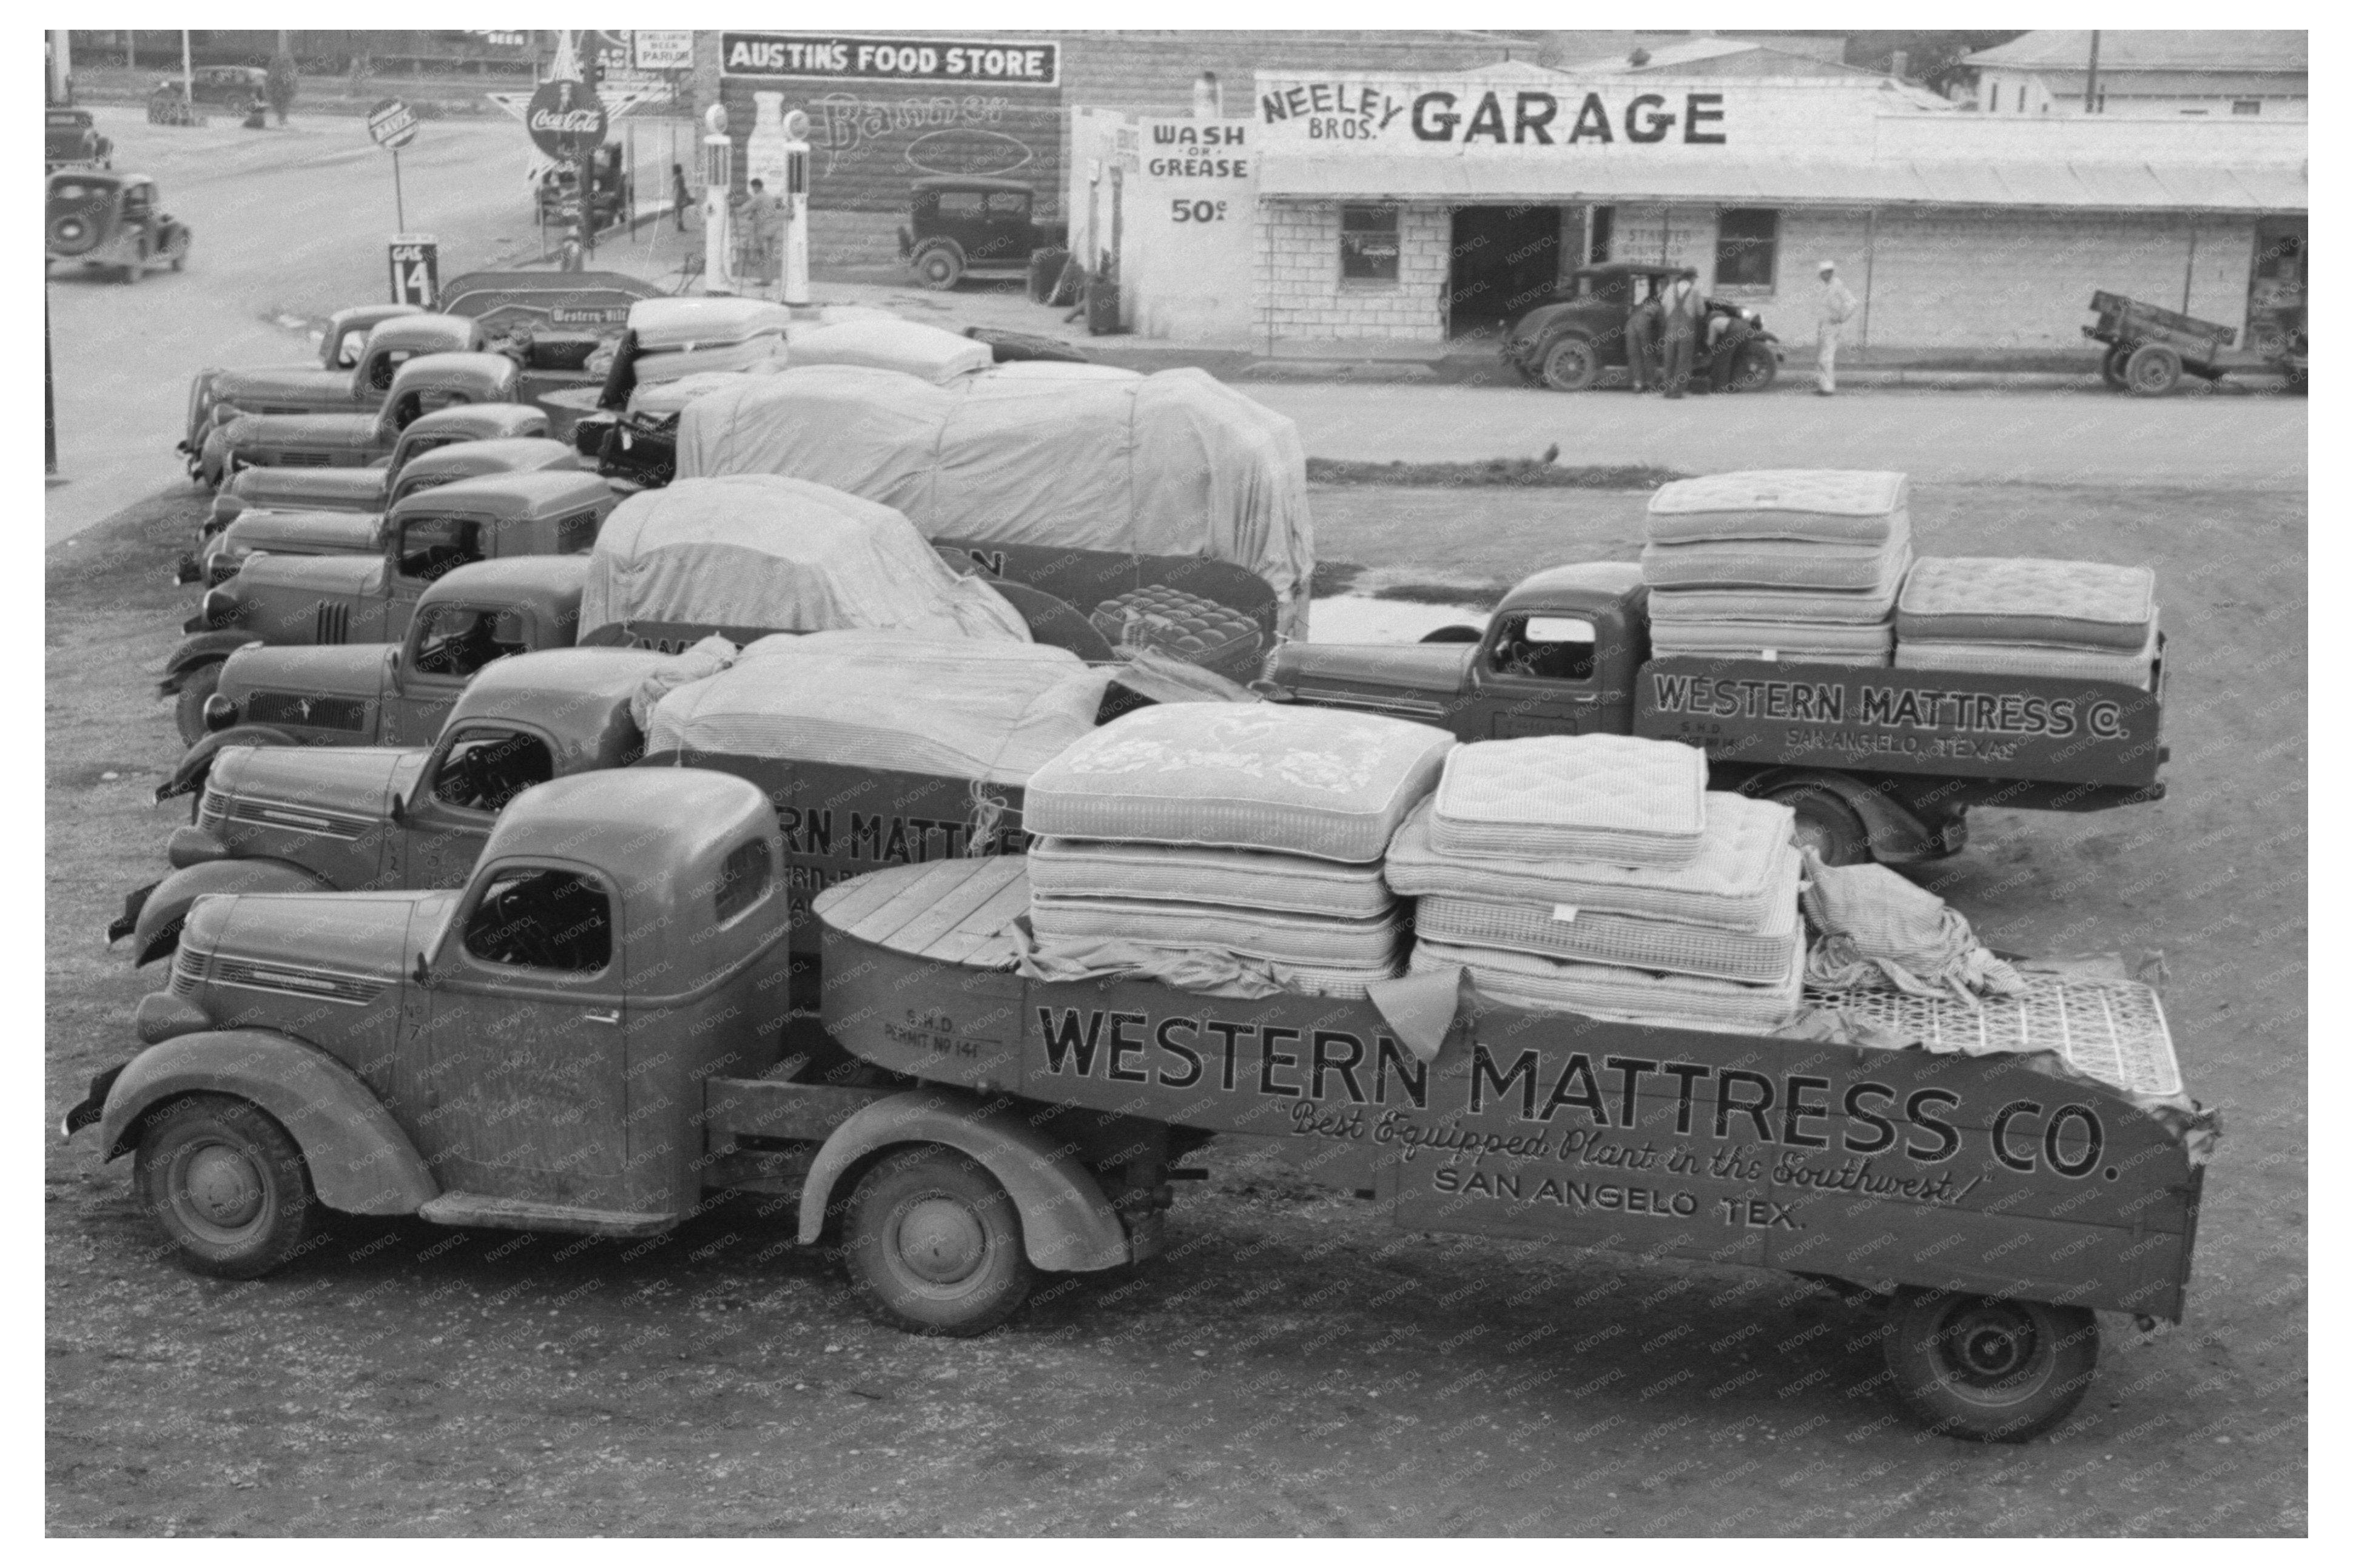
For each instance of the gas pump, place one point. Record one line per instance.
(796, 186)
(718, 182)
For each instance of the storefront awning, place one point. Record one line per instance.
(2104, 187)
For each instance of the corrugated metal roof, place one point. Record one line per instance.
(2152, 48)
(2124, 188)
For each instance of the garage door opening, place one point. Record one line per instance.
(1503, 259)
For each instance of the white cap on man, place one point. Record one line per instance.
(1827, 267)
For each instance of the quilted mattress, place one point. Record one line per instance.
(2024, 658)
(1778, 562)
(1746, 870)
(1821, 642)
(1301, 781)
(1271, 934)
(1848, 605)
(1829, 506)
(1617, 798)
(1247, 879)
(1756, 958)
(1609, 990)
(2053, 604)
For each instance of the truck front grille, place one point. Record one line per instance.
(334, 623)
(357, 990)
(212, 811)
(305, 460)
(188, 971)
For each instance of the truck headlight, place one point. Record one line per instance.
(219, 608)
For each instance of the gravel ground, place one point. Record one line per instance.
(1290, 1367)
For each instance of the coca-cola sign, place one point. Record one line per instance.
(564, 118)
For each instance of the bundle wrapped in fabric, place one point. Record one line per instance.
(1614, 798)
(2014, 615)
(994, 713)
(1801, 563)
(887, 342)
(676, 338)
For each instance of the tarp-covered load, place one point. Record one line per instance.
(931, 354)
(990, 712)
(677, 337)
(1170, 464)
(760, 553)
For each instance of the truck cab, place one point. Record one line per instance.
(350, 376)
(325, 600)
(374, 487)
(327, 439)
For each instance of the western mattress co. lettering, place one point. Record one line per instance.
(1886, 706)
(1808, 1130)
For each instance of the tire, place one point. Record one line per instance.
(2112, 365)
(1045, 271)
(2153, 371)
(939, 267)
(1989, 1370)
(934, 1245)
(1755, 370)
(1570, 365)
(1827, 824)
(1453, 635)
(188, 708)
(226, 1185)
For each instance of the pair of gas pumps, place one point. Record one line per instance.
(781, 164)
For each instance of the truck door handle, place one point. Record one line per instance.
(614, 1016)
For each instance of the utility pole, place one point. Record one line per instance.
(187, 70)
(2091, 76)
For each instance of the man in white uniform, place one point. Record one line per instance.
(1833, 305)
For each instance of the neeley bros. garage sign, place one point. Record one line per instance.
(839, 56)
(1472, 115)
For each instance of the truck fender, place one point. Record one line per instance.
(203, 647)
(1067, 1224)
(1896, 834)
(197, 764)
(155, 931)
(1055, 622)
(360, 1161)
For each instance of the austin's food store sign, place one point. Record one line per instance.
(837, 57)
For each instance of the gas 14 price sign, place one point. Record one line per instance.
(415, 269)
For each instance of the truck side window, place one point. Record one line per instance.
(743, 881)
(484, 768)
(431, 546)
(457, 640)
(576, 534)
(543, 919)
(1546, 648)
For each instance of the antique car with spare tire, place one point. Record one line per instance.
(1568, 341)
(98, 218)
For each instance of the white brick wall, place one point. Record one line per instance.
(1298, 292)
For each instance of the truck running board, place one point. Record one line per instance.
(521, 1214)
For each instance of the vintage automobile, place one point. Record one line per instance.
(234, 85)
(289, 531)
(1567, 341)
(1880, 764)
(324, 600)
(103, 219)
(356, 440)
(358, 358)
(376, 485)
(960, 1128)
(75, 140)
(964, 227)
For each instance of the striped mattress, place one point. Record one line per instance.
(1618, 798)
(1609, 991)
(2007, 599)
(1565, 932)
(1243, 879)
(1828, 505)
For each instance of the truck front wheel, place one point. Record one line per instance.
(1990, 1369)
(935, 1245)
(188, 705)
(226, 1185)
(1826, 825)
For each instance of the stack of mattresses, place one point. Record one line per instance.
(1785, 563)
(1597, 874)
(1253, 830)
(2009, 616)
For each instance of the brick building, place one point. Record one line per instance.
(1409, 208)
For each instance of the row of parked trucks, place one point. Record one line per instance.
(447, 942)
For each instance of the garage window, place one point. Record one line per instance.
(1368, 244)
(1747, 239)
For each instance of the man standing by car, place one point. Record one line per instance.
(1833, 305)
(1643, 326)
(1684, 311)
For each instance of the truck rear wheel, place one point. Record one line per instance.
(226, 1185)
(1826, 825)
(935, 1245)
(1988, 1369)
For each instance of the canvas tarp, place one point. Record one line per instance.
(780, 555)
(1170, 464)
(993, 711)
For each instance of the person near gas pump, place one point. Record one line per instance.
(1685, 312)
(1834, 305)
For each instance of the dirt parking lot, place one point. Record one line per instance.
(1290, 1367)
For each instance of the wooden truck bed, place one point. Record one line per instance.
(2066, 1171)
